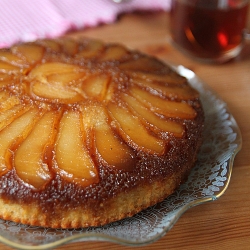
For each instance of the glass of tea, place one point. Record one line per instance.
(209, 30)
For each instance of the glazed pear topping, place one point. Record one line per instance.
(162, 106)
(96, 86)
(9, 115)
(32, 152)
(7, 101)
(139, 137)
(7, 56)
(32, 53)
(114, 53)
(72, 157)
(168, 90)
(108, 143)
(47, 83)
(69, 47)
(12, 134)
(91, 50)
(6, 67)
(73, 107)
(144, 113)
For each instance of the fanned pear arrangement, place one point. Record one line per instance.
(91, 132)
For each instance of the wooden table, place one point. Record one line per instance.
(222, 224)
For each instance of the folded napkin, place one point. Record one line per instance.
(27, 20)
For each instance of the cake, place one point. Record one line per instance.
(91, 133)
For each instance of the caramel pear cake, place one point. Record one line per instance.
(91, 133)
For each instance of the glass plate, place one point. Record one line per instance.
(207, 182)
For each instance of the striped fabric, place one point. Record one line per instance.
(27, 20)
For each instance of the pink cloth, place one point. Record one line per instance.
(27, 20)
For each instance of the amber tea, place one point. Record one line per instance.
(209, 29)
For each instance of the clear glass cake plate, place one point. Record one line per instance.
(207, 182)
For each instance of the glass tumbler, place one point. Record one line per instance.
(209, 30)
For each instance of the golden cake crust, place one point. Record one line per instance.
(91, 133)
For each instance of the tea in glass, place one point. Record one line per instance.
(211, 30)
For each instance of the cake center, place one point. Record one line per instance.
(66, 83)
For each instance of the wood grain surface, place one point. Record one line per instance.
(223, 224)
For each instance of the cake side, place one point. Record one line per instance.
(124, 204)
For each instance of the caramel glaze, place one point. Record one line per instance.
(147, 168)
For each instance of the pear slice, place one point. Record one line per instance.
(48, 83)
(4, 83)
(55, 92)
(5, 79)
(161, 106)
(162, 124)
(113, 150)
(6, 67)
(96, 86)
(92, 49)
(73, 161)
(114, 52)
(145, 64)
(12, 135)
(108, 143)
(32, 53)
(50, 44)
(166, 79)
(181, 92)
(30, 157)
(70, 46)
(134, 132)
(7, 56)
(8, 103)
(66, 78)
(9, 115)
(3, 96)
(42, 71)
